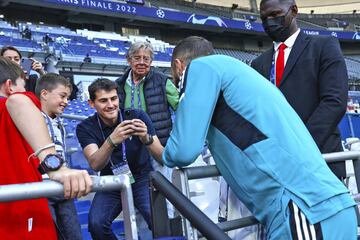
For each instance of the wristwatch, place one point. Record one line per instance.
(52, 162)
(149, 140)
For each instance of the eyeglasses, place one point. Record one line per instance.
(145, 59)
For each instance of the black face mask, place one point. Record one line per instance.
(275, 28)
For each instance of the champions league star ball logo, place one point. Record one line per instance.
(356, 36)
(194, 20)
(334, 34)
(160, 13)
(248, 25)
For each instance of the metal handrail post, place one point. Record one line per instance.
(127, 202)
(49, 188)
(356, 164)
(181, 181)
(349, 117)
(159, 214)
(74, 117)
(188, 209)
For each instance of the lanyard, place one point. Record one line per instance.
(133, 93)
(52, 132)
(272, 70)
(123, 148)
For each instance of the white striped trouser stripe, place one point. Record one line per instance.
(302, 225)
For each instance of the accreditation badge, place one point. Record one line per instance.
(123, 168)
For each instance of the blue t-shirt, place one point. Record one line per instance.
(138, 157)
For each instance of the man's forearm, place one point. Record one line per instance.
(98, 157)
(156, 150)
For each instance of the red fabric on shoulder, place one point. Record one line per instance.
(33, 98)
(28, 219)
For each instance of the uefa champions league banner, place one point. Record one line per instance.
(338, 34)
(191, 18)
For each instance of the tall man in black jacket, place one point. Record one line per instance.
(309, 70)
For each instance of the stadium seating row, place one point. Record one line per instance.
(109, 48)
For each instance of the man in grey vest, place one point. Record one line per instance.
(143, 87)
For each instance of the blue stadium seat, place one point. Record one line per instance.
(355, 119)
(85, 234)
(344, 127)
(82, 206)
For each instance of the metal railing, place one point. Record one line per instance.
(74, 117)
(160, 188)
(182, 176)
(49, 188)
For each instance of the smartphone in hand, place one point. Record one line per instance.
(26, 64)
(130, 114)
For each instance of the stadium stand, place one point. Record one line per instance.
(246, 57)
(338, 21)
(354, 57)
(178, 6)
(309, 25)
(103, 47)
(353, 68)
(107, 47)
(79, 108)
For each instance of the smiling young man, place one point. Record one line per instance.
(114, 144)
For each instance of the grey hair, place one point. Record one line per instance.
(136, 46)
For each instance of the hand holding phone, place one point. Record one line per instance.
(26, 64)
(130, 114)
(140, 129)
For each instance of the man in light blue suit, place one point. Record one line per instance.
(259, 144)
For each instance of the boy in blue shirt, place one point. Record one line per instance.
(53, 91)
(259, 144)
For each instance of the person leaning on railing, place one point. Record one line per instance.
(263, 151)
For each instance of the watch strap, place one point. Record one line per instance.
(110, 142)
(149, 141)
(43, 168)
